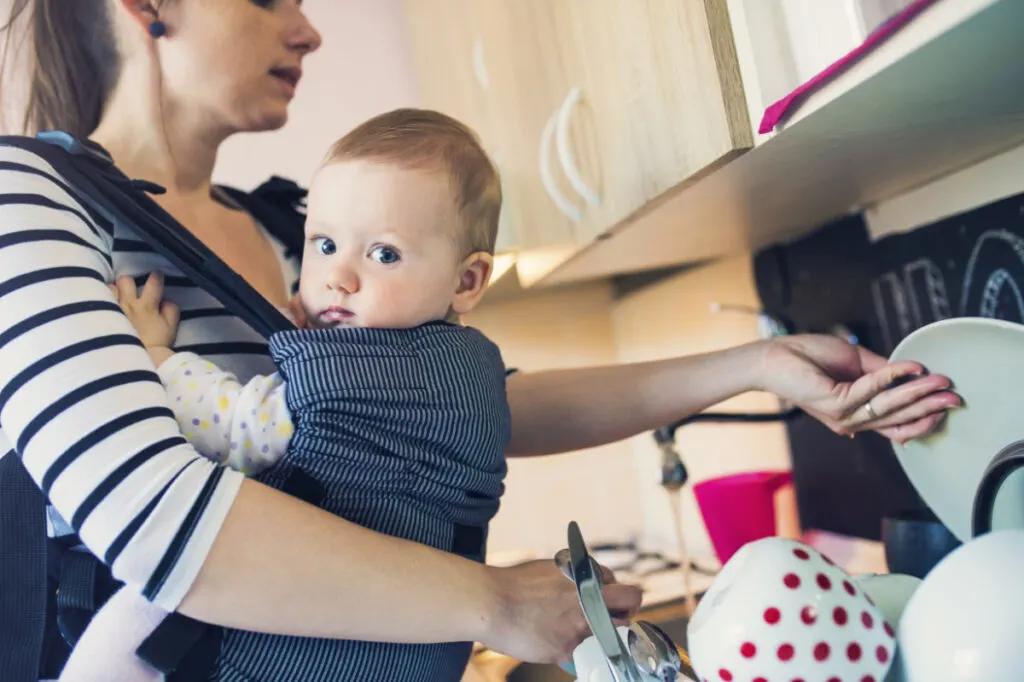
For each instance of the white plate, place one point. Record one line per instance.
(984, 358)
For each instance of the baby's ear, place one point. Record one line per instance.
(474, 276)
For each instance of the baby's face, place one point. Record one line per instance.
(380, 247)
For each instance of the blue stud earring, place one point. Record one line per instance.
(157, 29)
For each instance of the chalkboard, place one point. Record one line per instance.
(971, 264)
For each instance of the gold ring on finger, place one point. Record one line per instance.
(872, 415)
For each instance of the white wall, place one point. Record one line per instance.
(990, 180)
(363, 69)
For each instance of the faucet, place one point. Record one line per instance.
(673, 471)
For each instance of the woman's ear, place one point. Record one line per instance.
(474, 276)
(145, 13)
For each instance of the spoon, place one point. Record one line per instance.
(656, 654)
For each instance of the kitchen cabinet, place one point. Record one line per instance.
(660, 100)
(592, 108)
(493, 65)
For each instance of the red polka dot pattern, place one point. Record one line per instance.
(805, 620)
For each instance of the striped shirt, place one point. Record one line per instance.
(80, 400)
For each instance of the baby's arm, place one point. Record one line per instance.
(245, 427)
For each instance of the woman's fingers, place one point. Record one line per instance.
(930, 404)
(922, 427)
(623, 601)
(870, 385)
(908, 402)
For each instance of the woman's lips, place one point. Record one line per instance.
(288, 77)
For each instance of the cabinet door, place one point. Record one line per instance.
(527, 83)
(661, 100)
(443, 45)
(490, 63)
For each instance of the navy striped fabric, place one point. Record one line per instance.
(404, 431)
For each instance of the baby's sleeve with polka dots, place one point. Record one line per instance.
(246, 427)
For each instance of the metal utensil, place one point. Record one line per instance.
(656, 654)
(587, 576)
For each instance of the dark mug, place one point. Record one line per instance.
(1009, 460)
(915, 542)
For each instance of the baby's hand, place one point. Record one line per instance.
(155, 320)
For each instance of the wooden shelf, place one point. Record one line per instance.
(940, 95)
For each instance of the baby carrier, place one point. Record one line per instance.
(50, 590)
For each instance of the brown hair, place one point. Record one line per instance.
(428, 140)
(74, 63)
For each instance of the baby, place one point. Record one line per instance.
(382, 410)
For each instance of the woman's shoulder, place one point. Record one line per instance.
(24, 153)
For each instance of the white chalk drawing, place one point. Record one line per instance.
(915, 295)
(890, 294)
(1001, 254)
(924, 278)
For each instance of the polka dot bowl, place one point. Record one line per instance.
(780, 611)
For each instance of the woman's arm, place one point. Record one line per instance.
(81, 402)
(565, 410)
(561, 411)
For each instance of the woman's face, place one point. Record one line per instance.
(235, 61)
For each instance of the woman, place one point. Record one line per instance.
(160, 85)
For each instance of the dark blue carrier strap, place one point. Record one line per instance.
(23, 588)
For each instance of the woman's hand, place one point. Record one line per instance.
(847, 387)
(540, 618)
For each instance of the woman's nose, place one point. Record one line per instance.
(300, 33)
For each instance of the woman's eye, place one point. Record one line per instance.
(385, 255)
(324, 246)
(263, 3)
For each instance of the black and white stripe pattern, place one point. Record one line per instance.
(405, 432)
(79, 399)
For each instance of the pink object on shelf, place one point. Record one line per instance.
(740, 508)
(776, 112)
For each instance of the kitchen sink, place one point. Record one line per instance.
(533, 672)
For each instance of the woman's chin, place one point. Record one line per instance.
(264, 121)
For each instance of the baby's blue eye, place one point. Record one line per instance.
(324, 246)
(385, 255)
